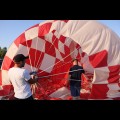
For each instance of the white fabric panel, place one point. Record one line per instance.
(38, 44)
(31, 33)
(72, 26)
(114, 47)
(113, 90)
(56, 33)
(58, 55)
(5, 78)
(68, 41)
(12, 51)
(58, 26)
(30, 68)
(61, 49)
(61, 93)
(113, 94)
(91, 37)
(48, 37)
(23, 50)
(75, 53)
(113, 86)
(47, 63)
(101, 75)
(87, 65)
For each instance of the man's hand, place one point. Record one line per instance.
(33, 79)
(33, 73)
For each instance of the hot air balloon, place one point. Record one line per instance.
(51, 46)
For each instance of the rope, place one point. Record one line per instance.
(59, 73)
(38, 65)
(56, 63)
(36, 50)
(67, 79)
(29, 56)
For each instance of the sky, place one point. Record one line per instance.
(11, 29)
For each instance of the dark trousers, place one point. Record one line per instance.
(29, 98)
(75, 91)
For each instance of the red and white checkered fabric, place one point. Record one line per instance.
(52, 45)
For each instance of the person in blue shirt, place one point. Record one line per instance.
(74, 79)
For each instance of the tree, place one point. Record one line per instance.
(3, 52)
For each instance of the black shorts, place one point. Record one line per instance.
(29, 98)
(75, 91)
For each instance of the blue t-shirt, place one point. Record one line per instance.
(76, 72)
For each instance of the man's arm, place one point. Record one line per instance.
(33, 79)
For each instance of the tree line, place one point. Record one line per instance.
(3, 52)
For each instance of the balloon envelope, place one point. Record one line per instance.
(51, 46)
